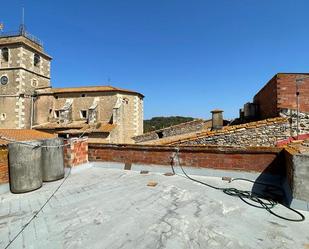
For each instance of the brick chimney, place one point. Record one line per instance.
(217, 119)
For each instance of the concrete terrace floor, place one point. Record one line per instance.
(110, 208)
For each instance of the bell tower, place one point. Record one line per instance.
(24, 68)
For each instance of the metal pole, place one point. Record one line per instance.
(31, 113)
(297, 104)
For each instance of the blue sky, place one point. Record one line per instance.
(186, 57)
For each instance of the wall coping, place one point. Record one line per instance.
(198, 148)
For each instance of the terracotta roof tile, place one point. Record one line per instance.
(234, 128)
(88, 129)
(86, 89)
(23, 135)
(206, 133)
(207, 124)
(55, 125)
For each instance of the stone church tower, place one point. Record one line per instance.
(24, 68)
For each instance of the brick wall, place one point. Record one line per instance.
(286, 84)
(280, 93)
(266, 99)
(227, 158)
(76, 153)
(4, 168)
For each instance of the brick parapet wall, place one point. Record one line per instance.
(226, 158)
(76, 153)
(4, 165)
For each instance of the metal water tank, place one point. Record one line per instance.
(25, 166)
(52, 159)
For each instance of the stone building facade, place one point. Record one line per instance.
(27, 99)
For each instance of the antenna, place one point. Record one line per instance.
(22, 26)
(23, 17)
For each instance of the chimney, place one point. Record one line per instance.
(217, 119)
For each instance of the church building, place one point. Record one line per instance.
(28, 101)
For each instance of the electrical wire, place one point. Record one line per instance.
(259, 200)
(37, 212)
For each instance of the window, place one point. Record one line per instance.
(83, 95)
(4, 80)
(5, 54)
(56, 114)
(3, 116)
(160, 134)
(50, 111)
(83, 114)
(34, 83)
(36, 59)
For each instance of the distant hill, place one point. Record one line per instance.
(162, 122)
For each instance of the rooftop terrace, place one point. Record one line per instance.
(110, 208)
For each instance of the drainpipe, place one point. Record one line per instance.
(31, 113)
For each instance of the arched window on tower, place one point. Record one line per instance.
(36, 60)
(5, 54)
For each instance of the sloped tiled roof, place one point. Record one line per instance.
(86, 89)
(225, 130)
(207, 123)
(23, 135)
(55, 125)
(88, 129)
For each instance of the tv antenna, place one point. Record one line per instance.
(22, 26)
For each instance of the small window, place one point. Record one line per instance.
(56, 97)
(160, 134)
(34, 83)
(56, 114)
(3, 116)
(83, 95)
(36, 60)
(83, 114)
(50, 111)
(5, 54)
(4, 80)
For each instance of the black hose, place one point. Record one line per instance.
(263, 202)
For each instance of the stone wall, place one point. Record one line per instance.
(23, 78)
(260, 133)
(4, 165)
(245, 159)
(187, 127)
(292, 116)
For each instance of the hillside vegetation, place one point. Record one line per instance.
(162, 122)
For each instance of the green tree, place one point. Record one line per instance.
(157, 123)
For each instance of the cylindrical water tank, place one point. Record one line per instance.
(25, 166)
(52, 159)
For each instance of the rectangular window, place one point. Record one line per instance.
(83, 114)
(56, 114)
